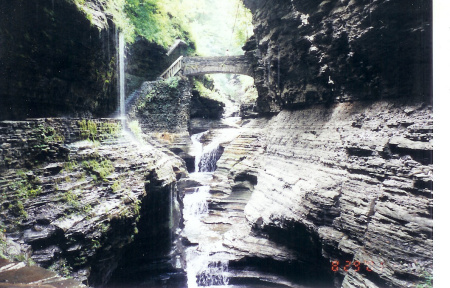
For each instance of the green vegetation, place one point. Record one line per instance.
(99, 169)
(26, 186)
(217, 25)
(93, 131)
(88, 129)
(238, 88)
(72, 199)
(48, 134)
(61, 267)
(172, 82)
(116, 186)
(207, 93)
(227, 23)
(17, 209)
(428, 283)
(70, 166)
(159, 21)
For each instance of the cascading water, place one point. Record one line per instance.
(122, 77)
(205, 157)
(198, 149)
(202, 269)
(205, 270)
(208, 160)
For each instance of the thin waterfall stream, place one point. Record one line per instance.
(122, 78)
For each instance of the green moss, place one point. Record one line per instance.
(99, 170)
(90, 130)
(96, 244)
(71, 199)
(116, 186)
(48, 134)
(172, 82)
(136, 207)
(70, 166)
(17, 209)
(25, 186)
(62, 267)
(207, 93)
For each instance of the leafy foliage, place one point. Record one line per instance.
(218, 26)
(159, 21)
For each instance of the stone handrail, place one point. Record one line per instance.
(173, 69)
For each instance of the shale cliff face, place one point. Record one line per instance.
(56, 61)
(60, 59)
(331, 51)
(72, 193)
(343, 171)
(359, 177)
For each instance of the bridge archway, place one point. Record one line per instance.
(193, 66)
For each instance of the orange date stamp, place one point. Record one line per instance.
(356, 266)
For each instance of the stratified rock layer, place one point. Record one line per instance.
(55, 61)
(72, 205)
(358, 176)
(331, 51)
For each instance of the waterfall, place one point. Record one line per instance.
(279, 69)
(205, 270)
(205, 157)
(198, 148)
(208, 160)
(202, 269)
(122, 77)
(196, 204)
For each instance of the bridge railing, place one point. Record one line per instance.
(173, 69)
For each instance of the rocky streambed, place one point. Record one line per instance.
(327, 196)
(299, 199)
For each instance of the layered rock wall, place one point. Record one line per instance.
(331, 51)
(162, 106)
(55, 61)
(358, 176)
(72, 205)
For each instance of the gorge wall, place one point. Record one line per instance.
(60, 60)
(343, 171)
(73, 191)
(56, 61)
(359, 177)
(308, 52)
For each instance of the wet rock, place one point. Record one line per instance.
(81, 210)
(16, 275)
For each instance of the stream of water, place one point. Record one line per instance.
(122, 78)
(202, 268)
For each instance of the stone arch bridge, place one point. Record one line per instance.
(192, 66)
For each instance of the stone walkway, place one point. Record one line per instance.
(17, 274)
